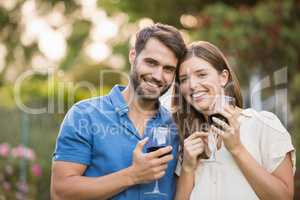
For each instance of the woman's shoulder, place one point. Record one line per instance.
(267, 119)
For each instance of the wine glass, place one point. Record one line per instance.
(217, 107)
(160, 137)
(213, 163)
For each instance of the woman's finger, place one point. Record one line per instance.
(221, 123)
(196, 135)
(216, 130)
(234, 112)
(196, 141)
(196, 146)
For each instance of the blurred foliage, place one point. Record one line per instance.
(257, 37)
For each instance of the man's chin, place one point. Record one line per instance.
(149, 94)
(149, 97)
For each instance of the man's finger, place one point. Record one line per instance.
(160, 152)
(163, 160)
(140, 145)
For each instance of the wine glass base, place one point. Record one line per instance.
(155, 195)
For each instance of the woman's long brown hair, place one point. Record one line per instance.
(189, 120)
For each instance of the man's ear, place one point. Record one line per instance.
(132, 56)
(224, 77)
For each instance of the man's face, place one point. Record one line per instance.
(153, 70)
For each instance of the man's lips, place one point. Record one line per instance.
(152, 84)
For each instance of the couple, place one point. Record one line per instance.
(100, 150)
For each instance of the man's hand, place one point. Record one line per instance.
(150, 166)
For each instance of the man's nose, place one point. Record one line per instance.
(157, 73)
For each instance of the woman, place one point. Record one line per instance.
(256, 158)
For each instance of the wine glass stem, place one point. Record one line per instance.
(156, 188)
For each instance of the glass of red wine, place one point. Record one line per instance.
(217, 108)
(160, 137)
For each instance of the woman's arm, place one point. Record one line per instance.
(278, 185)
(193, 147)
(267, 186)
(185, 185)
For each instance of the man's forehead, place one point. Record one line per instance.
(157, 50)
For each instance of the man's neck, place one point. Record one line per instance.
(139, 105)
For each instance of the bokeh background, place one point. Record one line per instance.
(54, 53)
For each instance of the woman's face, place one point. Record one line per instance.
(200, 82)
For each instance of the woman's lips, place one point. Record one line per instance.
(199, 97)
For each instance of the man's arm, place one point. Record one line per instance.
(67, 181)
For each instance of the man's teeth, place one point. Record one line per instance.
(151, 84)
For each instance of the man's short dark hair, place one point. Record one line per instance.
(166, 34)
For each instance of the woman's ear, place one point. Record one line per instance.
(132, 55)
(224, 77)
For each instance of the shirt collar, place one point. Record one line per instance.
(118, 100)
(162, 113)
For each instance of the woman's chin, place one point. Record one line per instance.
(201, 107)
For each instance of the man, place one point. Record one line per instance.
(100, 148)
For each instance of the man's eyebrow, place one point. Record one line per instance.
(170, 66)
(151, 60)
(148, 59)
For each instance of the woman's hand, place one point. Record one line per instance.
(230, 133)
(193, 146)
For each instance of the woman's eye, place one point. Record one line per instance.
(202, 74)
(182, 80)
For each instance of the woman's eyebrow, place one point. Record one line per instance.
(200, 70)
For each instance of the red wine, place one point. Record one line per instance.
(219, 116)
(154, 148)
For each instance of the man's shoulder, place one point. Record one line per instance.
(99, 103)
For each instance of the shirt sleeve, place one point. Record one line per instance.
(74, 141)
(276, 142)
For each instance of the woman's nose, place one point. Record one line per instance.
(194, 83)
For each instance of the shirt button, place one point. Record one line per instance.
(117, 109)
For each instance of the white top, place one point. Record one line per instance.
(267, 141)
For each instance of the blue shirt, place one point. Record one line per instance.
(98, 133)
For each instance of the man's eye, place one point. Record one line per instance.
(150, 62)
(169, 69)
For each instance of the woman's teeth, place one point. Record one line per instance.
(197, 95)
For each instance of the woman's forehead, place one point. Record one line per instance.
(194, 64)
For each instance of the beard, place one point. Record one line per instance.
(135, 80)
